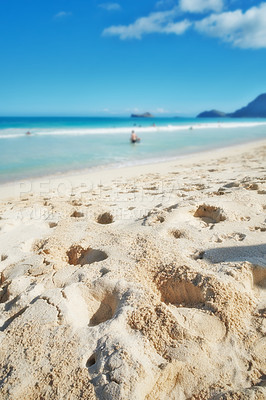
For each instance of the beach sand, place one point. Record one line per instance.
(137, 283)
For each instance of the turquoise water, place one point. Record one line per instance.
(63, 144)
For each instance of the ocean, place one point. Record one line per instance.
(61, 144)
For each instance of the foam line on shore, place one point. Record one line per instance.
(19, 132)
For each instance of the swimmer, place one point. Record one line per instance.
(134, 138)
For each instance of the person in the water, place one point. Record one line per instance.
(134, 138)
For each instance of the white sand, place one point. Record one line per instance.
(137, 283)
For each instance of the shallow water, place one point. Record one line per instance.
(63, 144)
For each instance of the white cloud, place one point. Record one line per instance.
(62, 14)
(201, 6)
(165, 3)
(242, 29)
(132, 109)
(177, 28)
(158, 22)
(110, 6)
(161, 110)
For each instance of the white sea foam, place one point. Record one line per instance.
(19, 132)
(11, 135)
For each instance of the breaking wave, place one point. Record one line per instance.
(19, 132)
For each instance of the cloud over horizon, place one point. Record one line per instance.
(201, 6)
(62, 14)
(110, 6)
(156, 22)
(243, 29)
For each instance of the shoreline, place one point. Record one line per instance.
(188, 125)
(94, 174)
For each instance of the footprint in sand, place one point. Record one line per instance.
(105, 309)
(3, 257)
(219, 192)
(4, 294)
(210, 214)
(76, 203)
(258, 228)
(52, 224)
(91, 361)
(177, 234)
(153, 218)
(77, 214)
(77, 255)
(237, 236)
(231, 185)
(245, 219)
(198, 255)
(105, 218)
(185, 292)
(251, 186)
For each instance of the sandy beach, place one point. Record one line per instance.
(137, 283)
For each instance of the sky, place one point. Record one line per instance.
(100, 57)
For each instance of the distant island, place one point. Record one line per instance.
(255, 109)
(145, 115)
(212, 114)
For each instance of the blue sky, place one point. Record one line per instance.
(93, 57)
